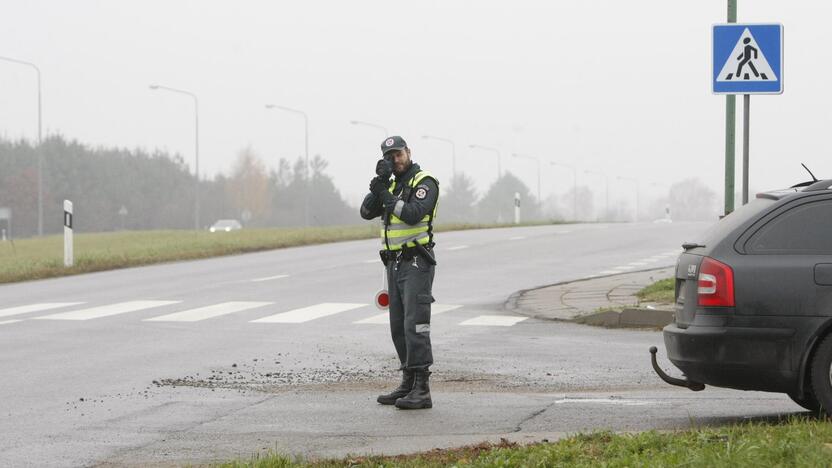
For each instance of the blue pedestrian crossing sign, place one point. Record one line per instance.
(747, 59)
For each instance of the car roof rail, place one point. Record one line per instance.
(819, 185)
(804, 184)
(768, 196)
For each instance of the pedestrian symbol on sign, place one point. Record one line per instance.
(746, 62)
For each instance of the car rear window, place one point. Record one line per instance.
(804, 229)
(737, 218)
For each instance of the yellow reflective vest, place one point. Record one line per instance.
(397, 234)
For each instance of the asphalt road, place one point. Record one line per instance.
(222, 358)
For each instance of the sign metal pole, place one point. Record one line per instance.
(746, 128)
(730, 130)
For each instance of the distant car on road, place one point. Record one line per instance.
(226, 225)
(754, 300)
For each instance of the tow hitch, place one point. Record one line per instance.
(695, 386)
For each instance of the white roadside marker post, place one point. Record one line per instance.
(516, 207)
(68, 254)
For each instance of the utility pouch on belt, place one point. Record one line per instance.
(386, 256)
(426, 254)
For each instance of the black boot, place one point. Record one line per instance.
(419, 397)
(408, 376)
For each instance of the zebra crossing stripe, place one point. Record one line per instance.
(35, 308)
(6, 322)
(306, 314)
(269, 278)
(207, 312)
(384, 319)
(107, 310)
(494, 320)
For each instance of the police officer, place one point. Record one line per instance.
(407, 207)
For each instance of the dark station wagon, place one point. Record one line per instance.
(754, 300)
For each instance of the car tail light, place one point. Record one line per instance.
(716, 284)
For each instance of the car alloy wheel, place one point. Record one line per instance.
(821, 374)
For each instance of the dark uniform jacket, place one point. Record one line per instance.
(422, 199)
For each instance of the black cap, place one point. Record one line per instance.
(393, 143)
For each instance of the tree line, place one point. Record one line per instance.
(115, 188)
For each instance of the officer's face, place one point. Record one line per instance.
(401, 161)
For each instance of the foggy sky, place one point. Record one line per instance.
(619, 87)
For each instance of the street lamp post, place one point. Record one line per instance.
(306, 151)
(526, 156)
(196, 142)
(634, 180)
(606, 190)
(40, 139)
(368, 124)
(496, 151)
(453, 151)
(574, 187)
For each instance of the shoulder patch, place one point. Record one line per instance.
(422, 192)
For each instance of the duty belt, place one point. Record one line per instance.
(407, 254)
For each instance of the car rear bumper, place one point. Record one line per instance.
(734, 357)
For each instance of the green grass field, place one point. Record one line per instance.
(662, 291)
(799, 441)
(42, 257)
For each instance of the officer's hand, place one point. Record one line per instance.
(384, 169)
(379, 185)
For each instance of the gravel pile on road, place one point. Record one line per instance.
(268, 374)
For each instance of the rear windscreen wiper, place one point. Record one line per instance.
(691, 245)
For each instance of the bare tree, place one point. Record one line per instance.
(692, 200)
(248, 186)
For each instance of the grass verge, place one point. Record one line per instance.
(798, 441)
(42, 257)
(662, 291)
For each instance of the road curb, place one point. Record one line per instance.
(629, 318)
(614, 315)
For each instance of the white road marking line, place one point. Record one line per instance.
(517, 238)
(608, 272)
(35, 308)
(590, 276)
(207, 312)
(494, 320)
(623, 268)
(306, 314)
(436, 309)
(384, 319)
(375, 260)
(269, 278)
(6, 322)
(457, 247)
(562, 232)
(603, 401)
(379, 319)
(638, 264)
(107, 310)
